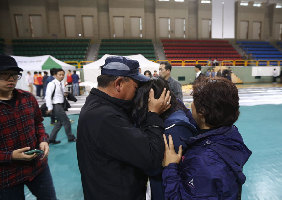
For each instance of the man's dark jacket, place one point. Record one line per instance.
(112, 154)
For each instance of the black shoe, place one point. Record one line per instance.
(54, 141)
(72, 140)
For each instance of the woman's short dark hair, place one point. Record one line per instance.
(217, 99)
(140, 108)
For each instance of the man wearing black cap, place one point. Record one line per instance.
(112, 153)
(21, 130)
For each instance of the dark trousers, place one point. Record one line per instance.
(52, 117)
(38, 90)
(62, 120)
(69, 87)
(41, 186)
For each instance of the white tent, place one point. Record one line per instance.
(92, 70)
(38, 63)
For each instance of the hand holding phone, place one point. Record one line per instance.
(30, 152)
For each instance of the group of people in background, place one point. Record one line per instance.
(212, 62)
(40, 82)
(211, 73)
(73, 82)
(55, 97)
(149, 74)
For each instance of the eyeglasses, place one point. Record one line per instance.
(6, 76)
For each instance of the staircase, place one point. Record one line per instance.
(92, 53)
(159, 51)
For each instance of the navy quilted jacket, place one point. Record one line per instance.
(180, 126)
(211, 168)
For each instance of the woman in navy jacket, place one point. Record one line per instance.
(212, 166)
(178, 122)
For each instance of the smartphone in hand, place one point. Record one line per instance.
(30, 152)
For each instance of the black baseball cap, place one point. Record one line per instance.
(122, 66)
(8, 63)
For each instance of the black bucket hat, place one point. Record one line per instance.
(8, 63)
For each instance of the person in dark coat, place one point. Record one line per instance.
(175, 87)
(227, 74)
(112, 153)
(178, 122)
(212, 166)
(45, 77)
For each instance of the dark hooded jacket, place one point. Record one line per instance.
(211, 168)
(179, 125)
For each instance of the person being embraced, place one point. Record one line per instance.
(212, 166)
(178, 122)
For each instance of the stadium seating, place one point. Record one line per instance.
(199, 50)
(62, 49)
(279, 44)
(260, 50)
(126, 47)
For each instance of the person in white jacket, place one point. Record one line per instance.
(29, 81)
(275, 75)
(54, 102)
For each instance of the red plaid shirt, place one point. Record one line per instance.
(20, 126)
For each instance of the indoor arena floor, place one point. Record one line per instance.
(260, 123)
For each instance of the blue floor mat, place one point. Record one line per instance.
(260, 126)
(63, 165)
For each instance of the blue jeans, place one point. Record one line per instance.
(41, 186)
(75, 87)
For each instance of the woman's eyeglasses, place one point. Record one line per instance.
(6, 76)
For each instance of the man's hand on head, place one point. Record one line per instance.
(159, 105)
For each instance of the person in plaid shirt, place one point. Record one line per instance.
(21, 129)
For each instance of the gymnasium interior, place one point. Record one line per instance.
(241, 36)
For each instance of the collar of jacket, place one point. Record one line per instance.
(169, 79)
(214, 132)
(124, 104)
(16, 93)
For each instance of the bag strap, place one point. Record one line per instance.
(53, 92)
